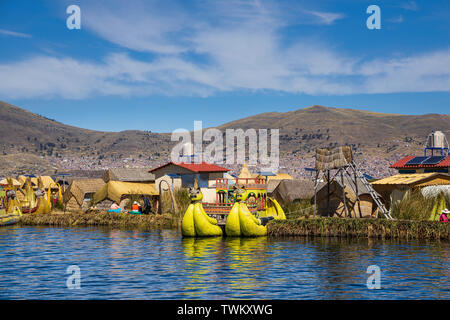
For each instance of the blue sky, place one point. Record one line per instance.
(160, 65)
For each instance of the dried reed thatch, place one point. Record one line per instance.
(294, 190)
(77, 191)
(129, 175)
(333, 158)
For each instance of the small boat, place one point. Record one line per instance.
(240, 221)
(8, 219)
(10, 212)
(26, 208)
(195, 221)
(34, 201)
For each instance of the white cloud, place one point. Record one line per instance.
(409, 5)
(418, 73)
(221, 47)
(14, 34)
(398, 19)
(44, 76)
(326, 17)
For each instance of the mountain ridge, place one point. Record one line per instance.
(301, 131)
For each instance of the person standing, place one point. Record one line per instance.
(444, 215)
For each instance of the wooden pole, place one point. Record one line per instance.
(343, 192)
(315, 193)
(328, 192)
(357, 193)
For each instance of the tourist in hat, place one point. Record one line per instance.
(444, 215)
(135, 207)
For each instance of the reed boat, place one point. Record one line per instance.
(241, 209)
(34, 200)
(10, 211)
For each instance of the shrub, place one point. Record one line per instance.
(414, 206)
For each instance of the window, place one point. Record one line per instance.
(203, 180)
(88, 197)
(187, 180)
(405, 171)
(441, 170)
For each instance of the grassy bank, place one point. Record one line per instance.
(364, 228)
(120, 220)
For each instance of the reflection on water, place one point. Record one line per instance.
(236, 266)
(126, 264)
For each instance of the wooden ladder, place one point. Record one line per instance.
(375, 196)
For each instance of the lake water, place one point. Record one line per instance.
(124, 264)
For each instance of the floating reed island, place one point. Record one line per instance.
(320, 227)
(116, 220)
(360, 228)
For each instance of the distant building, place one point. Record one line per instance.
(395, 187)
(182, 174)
(409, 165)
(436, 158)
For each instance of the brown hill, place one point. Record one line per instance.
(301, 131)
(24, 132)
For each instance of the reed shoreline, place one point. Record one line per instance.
(360, 228)
(118, 220)
(320, 227)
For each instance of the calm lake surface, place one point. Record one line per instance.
(123, 264)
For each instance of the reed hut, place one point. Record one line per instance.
(123, 192)
(23, 179)
(136, 175)
(16, 183)
(394, 188)
(272, 186)
(80, 193)
(64, 178)
(289, 191)
(46, 181)
(348, 207)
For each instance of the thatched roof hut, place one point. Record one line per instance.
(117, 191)
(271, 186)
(294, 190)
(393, 188)
(22, 179)
(46, 181)
(15, 182)
(129, 175)
(81, 190)
(337, 207)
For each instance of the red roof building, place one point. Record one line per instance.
(193, 167)
(182, 174)
(402, 166)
